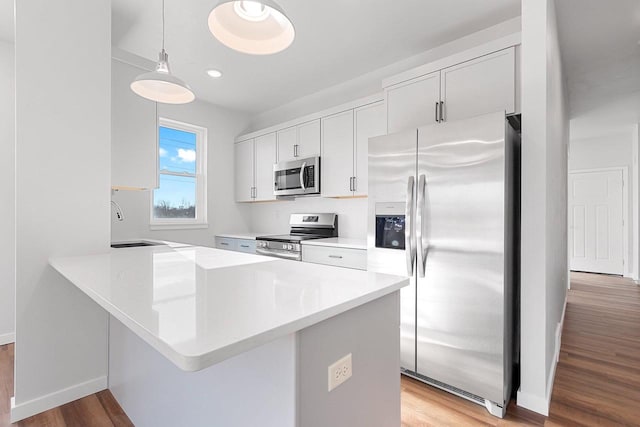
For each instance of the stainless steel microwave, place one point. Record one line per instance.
(297, 177)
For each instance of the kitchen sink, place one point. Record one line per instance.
(134, 244)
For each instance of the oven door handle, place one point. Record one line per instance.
(278, 254)
(304, 166)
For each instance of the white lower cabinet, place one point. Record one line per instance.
(238, 245)
(339, 257)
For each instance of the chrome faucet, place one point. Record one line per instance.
(119, 213)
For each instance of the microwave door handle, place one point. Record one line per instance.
(304, 166)
(408, 226)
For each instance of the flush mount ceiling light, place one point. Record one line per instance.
(214, 73)
(160, 85)
(258, 28)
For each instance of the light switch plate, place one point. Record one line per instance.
(340, 371)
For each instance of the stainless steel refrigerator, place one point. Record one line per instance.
(443, 208)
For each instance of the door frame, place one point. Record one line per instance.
(626, 272)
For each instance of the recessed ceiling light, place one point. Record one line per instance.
(214, 73)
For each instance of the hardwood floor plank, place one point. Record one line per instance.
(113, 409)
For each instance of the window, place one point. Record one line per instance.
(180, 201)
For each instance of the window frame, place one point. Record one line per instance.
(200, 221)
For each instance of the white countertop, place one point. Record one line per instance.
(338, 242)
(246, 236)
(198, 306)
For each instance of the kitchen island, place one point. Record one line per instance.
(260, 332)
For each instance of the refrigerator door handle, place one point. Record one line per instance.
(408, 227)
(420, 223)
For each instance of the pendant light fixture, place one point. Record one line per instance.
(160, 85)
(255, 27)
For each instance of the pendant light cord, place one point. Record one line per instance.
(163, 25)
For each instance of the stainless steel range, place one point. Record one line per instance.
(303, 227)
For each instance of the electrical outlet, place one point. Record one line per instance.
(339, 372)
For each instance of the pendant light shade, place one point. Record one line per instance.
(160, 85)
(254, 27)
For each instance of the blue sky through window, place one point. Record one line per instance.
(176, 197)
(177, 150)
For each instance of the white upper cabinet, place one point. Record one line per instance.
(345, 142)
(300, 141)
(244, 167)
(287, 143)
(254, 159)
(309, 139)
(337, 155)
(265, 157)
(370, 121)
(414, 103)
(480, 86)
(134, 133)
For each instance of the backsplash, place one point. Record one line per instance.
(273, 217)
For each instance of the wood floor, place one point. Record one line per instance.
(597, 379)
(96, 410)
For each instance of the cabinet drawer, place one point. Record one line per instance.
(228, 244)
(248, 246)
(340, 257)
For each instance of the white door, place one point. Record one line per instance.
(265, 149)
(480, 86)
(596, 229)
(413, 104)
(337, 155)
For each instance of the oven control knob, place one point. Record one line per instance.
(289, 247)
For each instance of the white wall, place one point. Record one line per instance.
(634, 201)
(273, 217)
(63, 76)
(224, 214)
(7, 193)
(545, 131)
(606, 151)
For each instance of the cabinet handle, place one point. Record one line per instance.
(441, 111)
(437, 115)
(335, 256)
(355, 184)
(350, 183)
(224, 244)
(244, 246)
(295, 150)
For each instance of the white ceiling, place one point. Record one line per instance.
(601, 57)
(336, 40)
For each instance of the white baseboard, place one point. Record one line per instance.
(536, 403)
(7, 338)
(58, 398)
(533, 403)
